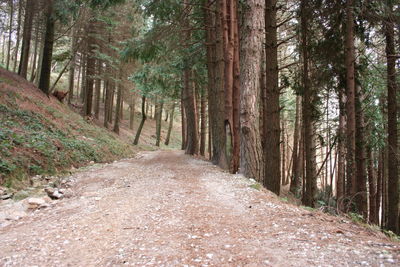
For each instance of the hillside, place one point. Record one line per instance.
(41, 136)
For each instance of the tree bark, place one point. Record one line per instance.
(340, 177)
(393, 175)
(203, 123)
(361, 197)
(10, 30)
(90, 68)
(372, 181)
(144, 117)
(272, 155)
(309, 195)
(132, 112)
(26, 38)
(350, 103)
(171, 122)
(159, 108)
(18, 35)
(295, 184)
(44, 81)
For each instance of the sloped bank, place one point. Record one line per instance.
(40, 136)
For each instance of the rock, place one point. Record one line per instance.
(53, 193)
(6, 196)
(35, 203)
(67, 193)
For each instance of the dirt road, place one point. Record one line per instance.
(168, 209)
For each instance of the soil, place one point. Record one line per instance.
(164, 208)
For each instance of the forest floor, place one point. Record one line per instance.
(164, 208)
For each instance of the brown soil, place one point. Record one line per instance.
(168, 209)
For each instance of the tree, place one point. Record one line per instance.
(250, 75)
(45, 72)
(392, 124)
(272, 158)
(26, 38)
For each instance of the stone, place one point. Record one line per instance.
(67, 193)
(6, 196)
(53, 193)
(35, 203)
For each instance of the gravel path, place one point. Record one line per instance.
(167, 209)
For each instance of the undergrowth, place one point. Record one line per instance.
(31, 143)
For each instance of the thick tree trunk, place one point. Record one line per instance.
(350, 104)
(219, 153)
(272, 155)
(295, 182)
(191, 115)
(393, 175)
(171, 122)
(144, 117)
(250, 77)
(340, 177)
(361, 197)
(26, 38)
(309, 195)
(44, 81)
(372, 181)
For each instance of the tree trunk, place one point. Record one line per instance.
(373, 215)
(295, 182)
(361, 197)
(203, 123)
(171, 122)
(340, 177)
(159, 109)
(132, 112)
(90, 68)
(72, 67)
(191, 114)
(210, 43)
(118, 108)
(393, 175)
(144, 117)
(98, 89)
(44, 81)
(10, 30)
(18, 35)
(26, 38)
(350, 104)
(219, 153)
(309, 195)
(272, 155)
(183, 116)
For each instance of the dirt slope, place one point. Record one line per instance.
(168, 209)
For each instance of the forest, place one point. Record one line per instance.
(301, 96)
